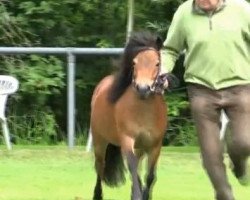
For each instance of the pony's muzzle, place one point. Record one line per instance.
(143, 90)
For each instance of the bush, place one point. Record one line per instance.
(181, 130)
(31, 111)
(38, 128)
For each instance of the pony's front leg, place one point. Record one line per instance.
(136, 184)
(132, 160)
(150, 179)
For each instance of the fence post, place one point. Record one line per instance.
(130, 18)
(71, 99)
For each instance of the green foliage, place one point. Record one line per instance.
(181, 133)
(31, 114)
(176, 103)
(181, 130)
(39, 77)
(73, 23)
(38, 127)
(11, 33)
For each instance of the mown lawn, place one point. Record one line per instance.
(56, 173)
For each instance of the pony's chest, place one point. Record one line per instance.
(142, 119)
(145, 122)
(142, 114)
(130, 104)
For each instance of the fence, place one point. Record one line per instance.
(71, 54)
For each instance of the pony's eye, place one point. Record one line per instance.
(158, 64)
(134, 62)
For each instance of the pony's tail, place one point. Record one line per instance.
(114, 170)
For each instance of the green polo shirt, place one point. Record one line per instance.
(216, 45)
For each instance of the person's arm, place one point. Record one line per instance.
(248, 11)
(174, 43)
(246, 18)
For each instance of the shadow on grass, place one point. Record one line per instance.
(80, 198)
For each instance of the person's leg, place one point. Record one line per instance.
(238, 143)
(206, 114)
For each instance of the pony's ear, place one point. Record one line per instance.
(159, 42)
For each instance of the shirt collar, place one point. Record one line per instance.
(198, 10)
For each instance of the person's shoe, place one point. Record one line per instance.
(241, 172)
(245, 180)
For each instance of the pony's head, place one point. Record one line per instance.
(146, 67)
(145, 61)
(140, 65)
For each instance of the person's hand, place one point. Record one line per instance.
(172, 81)
(166, 81)
(161, 83)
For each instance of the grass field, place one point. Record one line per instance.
(56, 173)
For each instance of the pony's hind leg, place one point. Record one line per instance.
(98, 189)
(150, 179)
(114, 170)
(99, 166)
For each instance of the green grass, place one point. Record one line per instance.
(56, 173)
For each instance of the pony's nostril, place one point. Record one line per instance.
(137, 87)
(143, 89)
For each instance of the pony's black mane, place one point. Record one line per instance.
(138, 42)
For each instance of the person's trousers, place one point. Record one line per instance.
(206, 105)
